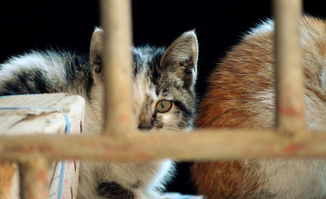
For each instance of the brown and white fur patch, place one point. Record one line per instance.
(241, 95)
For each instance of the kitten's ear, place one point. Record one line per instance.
(96, 50)
(180, 59)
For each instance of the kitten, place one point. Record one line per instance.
(241, 95)
(164, 99)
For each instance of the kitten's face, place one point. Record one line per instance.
(161, 100)
(163, 84)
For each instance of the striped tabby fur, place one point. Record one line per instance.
(158, 74)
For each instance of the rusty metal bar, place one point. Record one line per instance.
(116, 22)
(209, 144)
(8, 171)
(289, 71)
(34, 178)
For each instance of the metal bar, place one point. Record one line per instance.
(209, 144)
(8, 171)
(289, 71)
(116, 21)
(34, 178)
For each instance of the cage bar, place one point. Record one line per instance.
(34, 178)
(208, 144)
(116, 23)
(289, 71)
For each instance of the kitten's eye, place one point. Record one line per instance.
(163, 106)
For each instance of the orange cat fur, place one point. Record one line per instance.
(241, 95)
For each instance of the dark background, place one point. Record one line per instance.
(68, 24)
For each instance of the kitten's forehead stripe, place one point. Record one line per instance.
(186, 112)
(147, 58)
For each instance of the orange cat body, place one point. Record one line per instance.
(241, 95)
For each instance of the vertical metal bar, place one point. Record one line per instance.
(289, 71)
(8, 171)
(116, 22)
(34, 178)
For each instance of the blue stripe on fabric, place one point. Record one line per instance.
(61, 180)
(68, 124)
(30, 108)
(62, 169)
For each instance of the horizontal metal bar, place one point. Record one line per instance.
(207, 145)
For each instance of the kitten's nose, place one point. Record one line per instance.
(146, 125)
